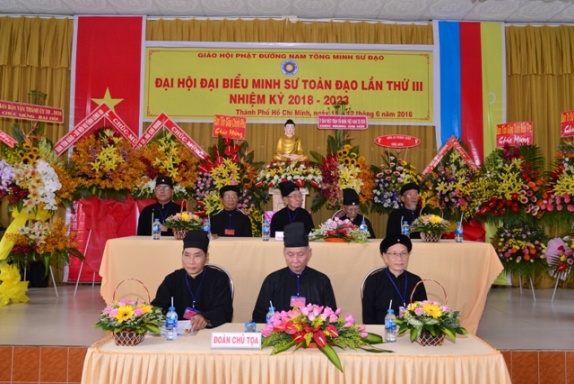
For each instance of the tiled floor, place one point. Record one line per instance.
(45, 341)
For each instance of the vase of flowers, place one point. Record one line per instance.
(129, 320)
(430, 226)
(429, 322)
(337, 230)
(300, 327)
(182, 222)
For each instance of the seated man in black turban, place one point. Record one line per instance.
(297, 284)
(200, 293)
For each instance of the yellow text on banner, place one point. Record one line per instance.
(274, 84)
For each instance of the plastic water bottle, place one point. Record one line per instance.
(458, 233)
(363, 227)
(270, 314)
(406, 229)
(171, 324)
(390, 326)
(207, 227)
(265, 230)
(156, 230)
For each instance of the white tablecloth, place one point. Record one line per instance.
(189, 359)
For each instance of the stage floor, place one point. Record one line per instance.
(511, 320)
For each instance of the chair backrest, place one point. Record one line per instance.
(338, 214)
(371, 272)
(220, 268)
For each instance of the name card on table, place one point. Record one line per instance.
(235, 340)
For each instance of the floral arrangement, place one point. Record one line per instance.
(558, 197)
(430, 316)
(448, 187)
(342, 168)
(300, 327)
(165, 155)
(340, 229)
(105, 165)
(430, 223)
(559, 255)
(44, 241)
(184, 220)
(302, 173)
(521, 249)
(31, 177)
(230, 164)
(389, 178)
(129, 315)
(510, 186)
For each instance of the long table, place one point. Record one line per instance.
(189, 359)
(465, 270)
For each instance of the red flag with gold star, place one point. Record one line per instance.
(107, 69)
(108, 66)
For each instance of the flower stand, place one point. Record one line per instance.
(427, 339)
(334, 240)
(429, 237)
(128, 338)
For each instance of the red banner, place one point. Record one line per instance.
(567, 124)
(31, 112)
(514, 134)
(89, 122)
(452, 143)
(397, 141)
(229, 127)
(108, 64)
(7, 139)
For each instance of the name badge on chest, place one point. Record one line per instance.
(298, 301)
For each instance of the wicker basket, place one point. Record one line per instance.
(179, 234)
(127, 337)
(429, 237)
(426, 338)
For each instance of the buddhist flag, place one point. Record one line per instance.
(108, 66)
(472, 84)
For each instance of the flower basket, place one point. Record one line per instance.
(429, 322)
(429, 237)
(128, 338)
(430, 226)
(130, 320)
(183, 221)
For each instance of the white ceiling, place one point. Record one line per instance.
(512, 11)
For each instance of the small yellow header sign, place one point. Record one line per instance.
(275, 84)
